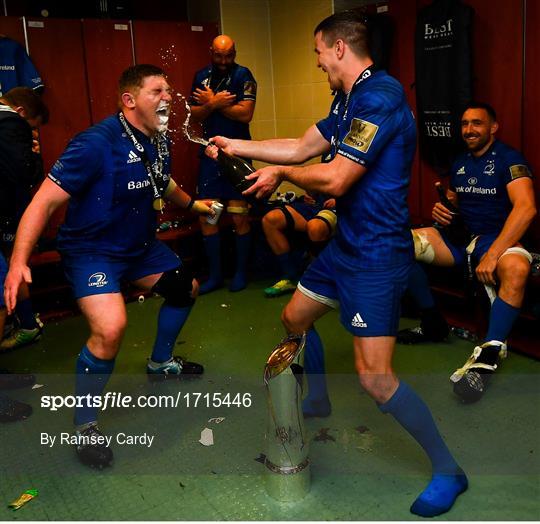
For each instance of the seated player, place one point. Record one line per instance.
(491, 185)
(315, 217)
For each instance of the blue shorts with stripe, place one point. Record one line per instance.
(369, 299)
(98, 274)
(460, 252)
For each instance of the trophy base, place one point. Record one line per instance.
(287, 484)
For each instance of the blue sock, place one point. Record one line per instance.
(414, 415)
(243, 244)
(212, 246)
(287, 265)
(92, 375)
(448, 479)
(25, 314)
(170, 322)
(501, 320)
(316, 404)
(418, 287)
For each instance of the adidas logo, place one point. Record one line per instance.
(461, 171)
(358, 321)
(132, 157)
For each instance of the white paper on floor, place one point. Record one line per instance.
(207, 437)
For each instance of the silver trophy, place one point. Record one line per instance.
(287, 461)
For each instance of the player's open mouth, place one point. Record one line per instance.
(163, 111)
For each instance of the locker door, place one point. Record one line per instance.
(531, 106)
(12, 27)
(56, 49)
(498, 62)
(180, 49)
(108, 51)
(402, 66)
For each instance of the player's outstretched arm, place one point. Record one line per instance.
(49, 198)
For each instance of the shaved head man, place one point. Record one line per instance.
(223, 100)
(223, 52)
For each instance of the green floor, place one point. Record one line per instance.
(368, 468)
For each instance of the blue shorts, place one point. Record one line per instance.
(211, 184)
(3, 273)
(460, 252)
(308, 211)
(99, 274)
(369, 299)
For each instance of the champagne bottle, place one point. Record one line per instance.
(457, 232)
(235, 169)
(444, 199)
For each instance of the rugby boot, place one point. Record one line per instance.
(280, 288)
(175, 368)
(471, 380)
(91, 448)
(22, 337)
(13, 410)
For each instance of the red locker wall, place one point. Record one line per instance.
(402, 67)
(531, 105)
(12, 27)
(498, 79)
(108, 51)
(498, 62)
(180, 51)
(57, 51)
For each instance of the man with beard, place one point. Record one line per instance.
(223, 99)
(114, 176)
(491, 187)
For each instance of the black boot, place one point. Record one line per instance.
(471, 380)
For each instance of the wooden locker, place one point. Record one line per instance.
(108, 51)
(56, 48)
(531, 108)
(180, 49)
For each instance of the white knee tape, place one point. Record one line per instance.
(518, 251)
(423, 250)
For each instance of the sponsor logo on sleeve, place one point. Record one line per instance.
(361, 135)
(250, 88)
(519, 171)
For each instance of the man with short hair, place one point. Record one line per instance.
(370, 137)
(114, 177)
(491, 187)
(223, 99)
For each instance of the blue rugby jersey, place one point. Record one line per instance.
(480, 184)
(238, 81)
(16, 68)
(375, 128)
(110, 210)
